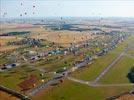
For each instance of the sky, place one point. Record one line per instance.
(72, 8)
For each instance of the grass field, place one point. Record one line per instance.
(118, 74)
(74, 91)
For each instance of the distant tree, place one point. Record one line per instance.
(130, 75)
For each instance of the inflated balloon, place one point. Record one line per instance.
(25, 13)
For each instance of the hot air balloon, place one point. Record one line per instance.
(25, 13)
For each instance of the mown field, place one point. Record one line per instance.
(118, 74)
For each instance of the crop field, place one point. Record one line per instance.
(17, 27)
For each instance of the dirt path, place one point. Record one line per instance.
(89, 83)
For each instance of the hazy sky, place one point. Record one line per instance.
(49, 8)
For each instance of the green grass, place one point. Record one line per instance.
(118, 73)
(74, 91)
